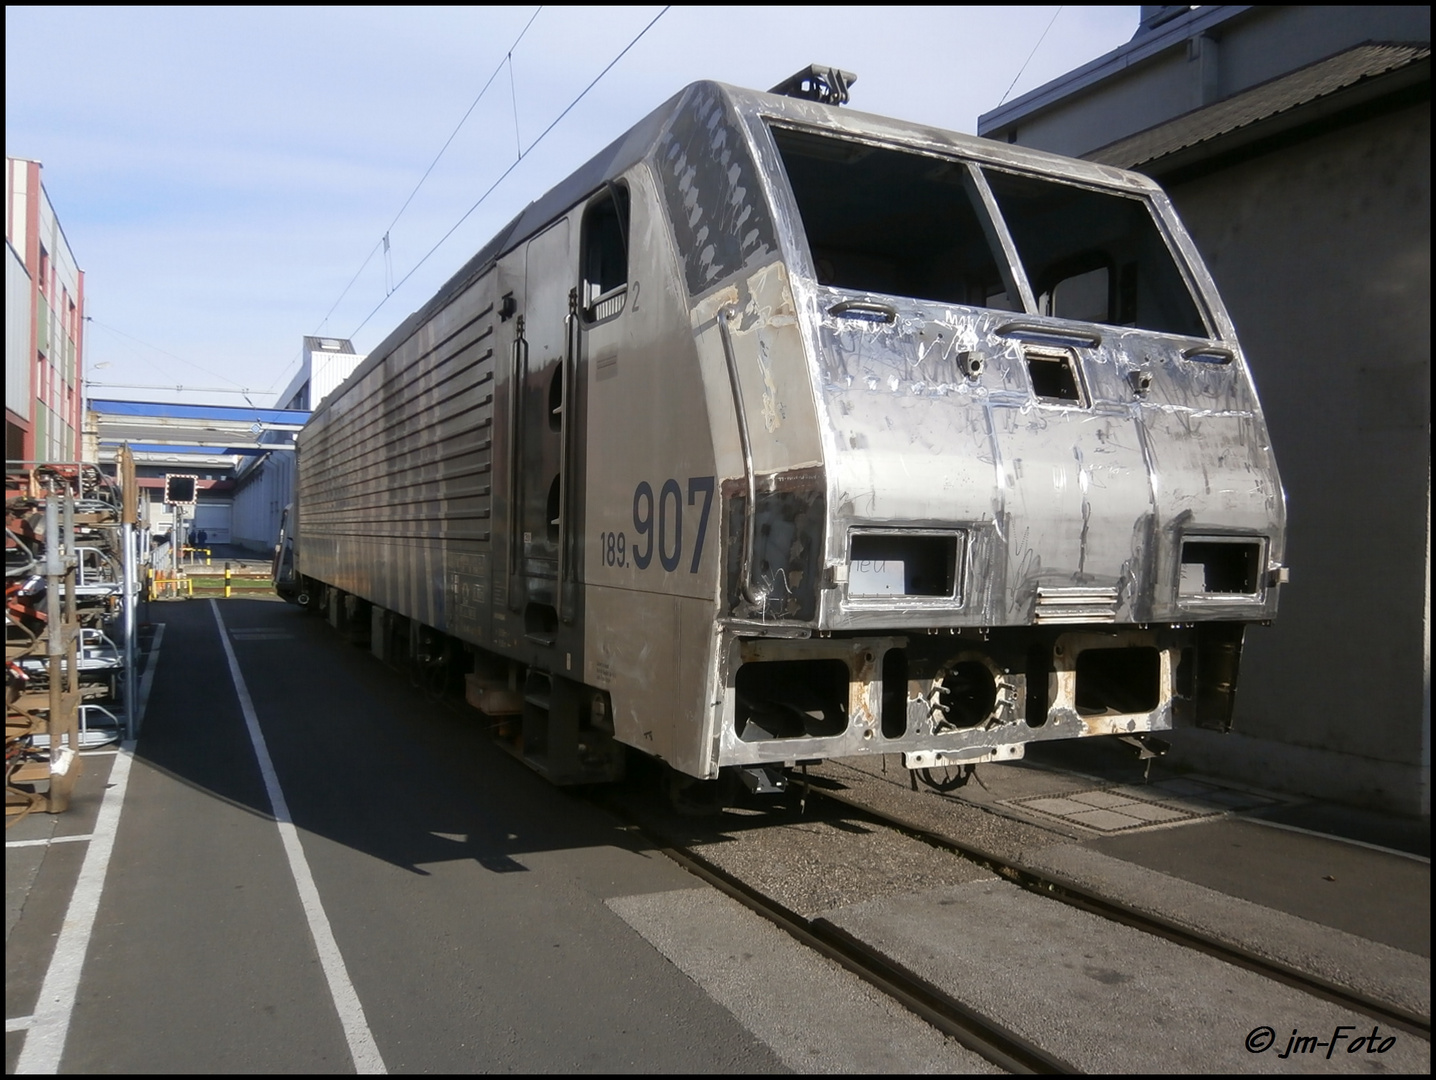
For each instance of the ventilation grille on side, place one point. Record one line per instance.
(1076, 605)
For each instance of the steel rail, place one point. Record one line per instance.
(978, 1033)
(1075, 894)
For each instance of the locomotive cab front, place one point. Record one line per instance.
(1043, 503)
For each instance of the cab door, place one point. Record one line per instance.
(542, 479)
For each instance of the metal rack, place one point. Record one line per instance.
(69, 594)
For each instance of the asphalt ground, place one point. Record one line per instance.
(478, 919)
(397, 894)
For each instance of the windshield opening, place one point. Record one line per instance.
(887, 221)
(884, 220)
(1094, 256)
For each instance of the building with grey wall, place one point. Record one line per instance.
(1296, 144)
(262, 493)
(265, 484)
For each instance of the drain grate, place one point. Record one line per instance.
(1125, 807)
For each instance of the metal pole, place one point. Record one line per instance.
(127, 535)
(54, 613)
(72, 620)
(131, 538)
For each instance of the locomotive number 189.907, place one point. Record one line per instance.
(658, 527)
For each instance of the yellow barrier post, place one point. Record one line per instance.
(226, 580)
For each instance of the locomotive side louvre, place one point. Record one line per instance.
(781, 432)
(397, 476)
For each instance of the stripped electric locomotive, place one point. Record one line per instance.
(780, 432)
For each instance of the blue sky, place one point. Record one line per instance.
(222, 174)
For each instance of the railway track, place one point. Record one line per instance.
(1066, 891)
(983, 1034)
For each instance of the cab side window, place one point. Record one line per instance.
(605, 254)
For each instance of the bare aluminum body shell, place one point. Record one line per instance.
(652, 504)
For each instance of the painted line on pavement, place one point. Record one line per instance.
(50, 1023)
(1339, 839)
(48, 840)
(362, 1047)
(49, 1026)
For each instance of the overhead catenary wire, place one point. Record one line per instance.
(514, 97)
(383, 241)
(242, 391)
(189, 363)
(522, 154)
(1033, 53)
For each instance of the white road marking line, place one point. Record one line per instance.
(50, 1024)
(1339, 839)
(18, 1023)
(48, 840)
(362, 1047)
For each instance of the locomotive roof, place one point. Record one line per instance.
(638, 141)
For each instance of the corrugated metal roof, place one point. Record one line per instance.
(1282, 94)
(1215, 19)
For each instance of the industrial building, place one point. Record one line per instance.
(263, 482)
(44, 324)
(242, 456)
(1296, 145)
